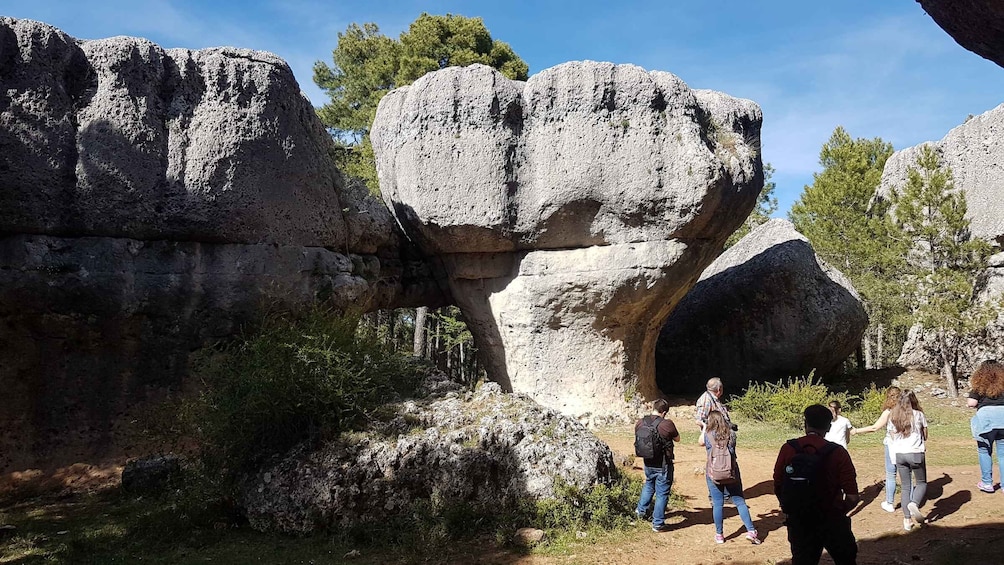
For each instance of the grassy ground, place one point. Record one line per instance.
(109, 527)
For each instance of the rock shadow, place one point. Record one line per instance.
(748, 323)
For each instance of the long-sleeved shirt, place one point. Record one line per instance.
(837, 472)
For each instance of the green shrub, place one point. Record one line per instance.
(602, 506)
(869, 408)
(784, 402)
(290, 381)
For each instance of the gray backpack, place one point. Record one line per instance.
(722, 467)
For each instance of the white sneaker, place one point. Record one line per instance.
(907, 524)
(915, 513)
(888, 507)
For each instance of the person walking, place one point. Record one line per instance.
(891, 399)
(718, 437)
(816, 484)
(987, 396)
(655, 435)
(907, 446)
(840, 427)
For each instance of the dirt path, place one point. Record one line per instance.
(964, 522)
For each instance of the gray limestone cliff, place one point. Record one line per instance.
(151, 202)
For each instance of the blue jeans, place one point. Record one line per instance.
(890, 478)
(985, 450)
(658, 481)
(718, 493)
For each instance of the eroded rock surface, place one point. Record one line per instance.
(152, 201)
(768, 308)
(486, 448)
(571, 212)
(977, 25)
(974, 151)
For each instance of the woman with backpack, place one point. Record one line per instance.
(891, 399)
(907, 446)
(722, 474)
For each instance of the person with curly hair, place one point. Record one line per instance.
(986, 394)
(891, 399)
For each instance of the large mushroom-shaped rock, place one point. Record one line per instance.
(974, 152)
(768, 308)
(152, 201)
(570, 212)
(977, 25)
(487, 449)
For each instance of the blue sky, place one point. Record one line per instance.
(879, 68)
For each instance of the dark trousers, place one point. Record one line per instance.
(809, 536)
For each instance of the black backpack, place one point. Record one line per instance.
(647, 441)
(800, 490)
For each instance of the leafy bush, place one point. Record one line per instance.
(784, 402)
(602, 506)
(869, 408)
(290, 381)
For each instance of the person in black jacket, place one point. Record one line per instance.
(659, 469)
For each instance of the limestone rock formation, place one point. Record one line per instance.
(570, 212)
(977, 25)
(487, 448)
(974, 151)
(768, 308)
(922, 349)
(152, 201)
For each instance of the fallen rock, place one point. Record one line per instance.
(529, 536)
(486, 448)
(768, 308)
(570, 213)
(150, 474)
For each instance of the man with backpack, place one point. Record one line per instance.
(653, 442)
(816, 484)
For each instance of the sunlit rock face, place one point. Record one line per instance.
(570, 212)
(769, 308)
(152, 201)
(977, 25)
(974, 152)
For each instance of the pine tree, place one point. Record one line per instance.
(946, 258)
(367, 65)
(852, 231)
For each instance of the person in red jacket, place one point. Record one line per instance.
(821, 520)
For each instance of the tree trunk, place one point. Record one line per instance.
(392, 329)
(879, 338)
(867, 341)
(947, 366)
(859, 358)
(421, 313)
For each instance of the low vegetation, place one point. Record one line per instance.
(291, 381)
(782, 403)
